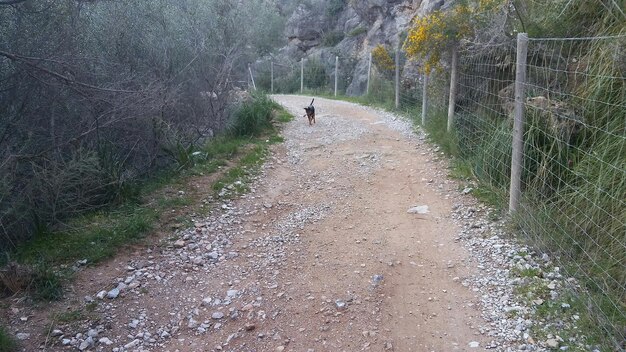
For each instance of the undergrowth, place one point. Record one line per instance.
(7, 343)
(53, 256)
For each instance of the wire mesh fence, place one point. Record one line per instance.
(326, 76)
(574, 200)
(573, 169)
(573, 173)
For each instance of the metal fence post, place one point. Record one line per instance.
(425, 98)
(517, 158)
(397, 77)
(452, 99)
(302, 76)
(369, 74)
(272, 77)
(336, 72)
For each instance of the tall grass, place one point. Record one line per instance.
(253, 117)
(7, 343)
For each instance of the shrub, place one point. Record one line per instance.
(46, 284)
(357, 31)
(253, 117)
(315, 75)
(332, 38)
(432, 35)
(7, 343)
(383, 61)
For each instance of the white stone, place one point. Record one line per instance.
(105, 341)
(22, 336)
(419, 209)
(113, 293)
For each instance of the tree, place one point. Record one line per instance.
(95, 94)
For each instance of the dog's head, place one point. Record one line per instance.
(309, 109)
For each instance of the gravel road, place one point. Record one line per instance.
(353, 238)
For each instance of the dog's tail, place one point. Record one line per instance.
(312, 102)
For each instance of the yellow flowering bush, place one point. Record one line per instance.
(432, 35)
(382, 59)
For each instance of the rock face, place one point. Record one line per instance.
(324, 29)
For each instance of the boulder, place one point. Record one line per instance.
(561, 119)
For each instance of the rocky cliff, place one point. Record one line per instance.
(350, 29)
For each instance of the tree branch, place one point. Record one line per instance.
(68, 80)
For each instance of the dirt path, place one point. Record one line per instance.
(322, 255)
(370, 174)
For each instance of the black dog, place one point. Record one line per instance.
(310, 113)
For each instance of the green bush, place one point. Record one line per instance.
(357, 31)
(288, 84)
(315, 75)
(332, 38)
(7, 343)
(436, 126)
(253, 117)
(382, 92)
(46, 284)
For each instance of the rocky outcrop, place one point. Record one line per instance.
(362, 25)
(305, 28)
(558, 116)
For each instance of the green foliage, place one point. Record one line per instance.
(254, 117)
(288, 84)
(223, 147)
(382, 93)
(436, 126)
(98, 236)
(7, 342)
(492, 157)
(332, 38)
(357, 31)
(182, 153)
(432, 35)
(94, 237)
(248, 166)
(315, 75)
(132, 103)
(46, 284)
(69, 316)
(284, 116)
(562, 18)
(383, 61)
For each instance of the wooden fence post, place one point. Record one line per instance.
(517, 158)
(336, 72)
(425, 98)
(453, 84)
(251, 77)
(369, 74)
(397, 77)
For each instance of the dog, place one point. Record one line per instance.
(310, 113)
